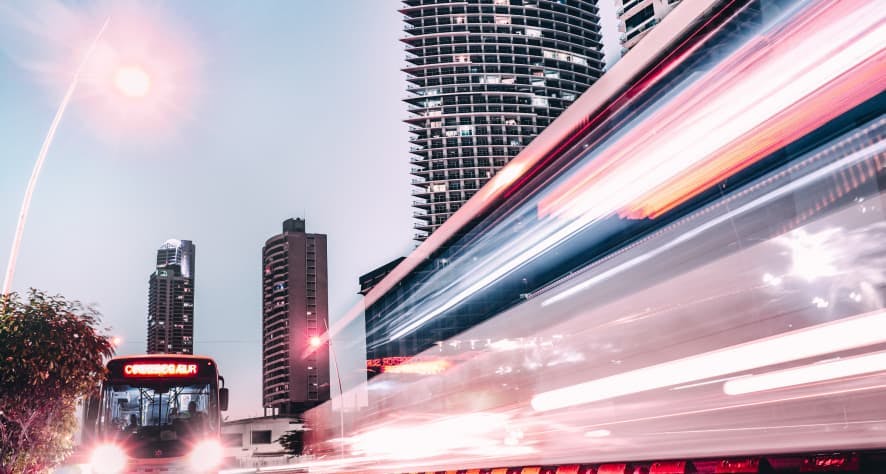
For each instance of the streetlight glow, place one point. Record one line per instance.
(132, 81)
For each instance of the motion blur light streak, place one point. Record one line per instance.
(41, 158)
(828, 338)
(728, 288)
(606, 90)
(507, 263)
(853, 158)
(709, 382)
(848, 367)
(601, 433)
(473, 432)
(739, 113)
(421, 367)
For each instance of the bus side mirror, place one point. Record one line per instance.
(223, 398)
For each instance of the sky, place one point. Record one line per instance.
(255, 113)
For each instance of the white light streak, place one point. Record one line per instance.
(41, 158)
(509, 265)
(601, 433)
(820, 372)
(413, 441)
(828, 338)
(795, 185)
(643, 164)
(732, 113)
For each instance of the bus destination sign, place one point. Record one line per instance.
(159, 370)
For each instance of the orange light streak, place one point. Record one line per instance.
(662, 162)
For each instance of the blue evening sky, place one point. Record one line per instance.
(293, 109)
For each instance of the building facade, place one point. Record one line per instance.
(368, 281)
(253, 442)
(637, 17)
(485, 77)
(295, 361)
(171, 299)
(443, 293)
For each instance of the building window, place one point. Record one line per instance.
(639, 18)
(540, 101)
(261, 437)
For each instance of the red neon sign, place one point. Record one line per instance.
(430, 367)
(386, 362)
(159, 370)
(408, 365)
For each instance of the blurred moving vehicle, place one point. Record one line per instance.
(686, 272)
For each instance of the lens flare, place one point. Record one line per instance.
(207, 454)
(132, 81)
(108, 459)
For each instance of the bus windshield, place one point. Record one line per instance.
(131, 407)
(175, 415)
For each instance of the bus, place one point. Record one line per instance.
(153, 412)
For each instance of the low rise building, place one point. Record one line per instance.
(253, 442)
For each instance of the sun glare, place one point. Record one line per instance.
(132, 81)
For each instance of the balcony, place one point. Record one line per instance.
(425, 227)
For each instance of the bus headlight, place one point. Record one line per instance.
(206, 454)
(108, 459)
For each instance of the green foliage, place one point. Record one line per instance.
(293, 442)
(51, 354)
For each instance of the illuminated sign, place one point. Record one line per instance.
(430, 367)
(385, 362)
(407, 365)
(159, 370)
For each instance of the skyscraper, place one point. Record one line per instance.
(171, 299)
(637, 17)
(295, 361)
(485, 77)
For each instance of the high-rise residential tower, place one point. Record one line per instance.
(171, 299)
(637, 17)
(485, 77)
(295, 360)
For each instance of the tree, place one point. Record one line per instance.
(293, 442)
(51, 354)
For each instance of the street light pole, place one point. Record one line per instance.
(341, 392)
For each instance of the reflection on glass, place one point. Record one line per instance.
(151, 413)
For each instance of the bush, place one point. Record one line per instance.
(51, 354)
